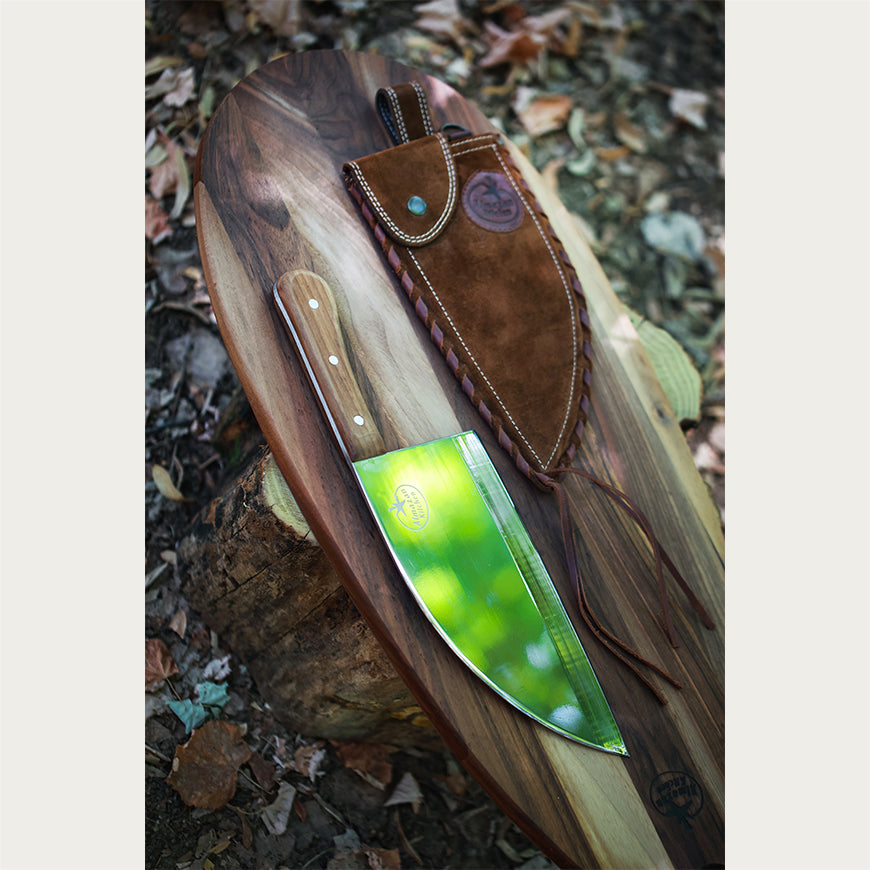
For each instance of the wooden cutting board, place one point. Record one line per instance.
(269, 199)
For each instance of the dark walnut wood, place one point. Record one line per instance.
(270, 199)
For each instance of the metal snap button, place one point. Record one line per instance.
(417, 205)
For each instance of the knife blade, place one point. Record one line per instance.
(455, 535)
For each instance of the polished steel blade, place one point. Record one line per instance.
(467, 558)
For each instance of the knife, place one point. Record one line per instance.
(456, 538)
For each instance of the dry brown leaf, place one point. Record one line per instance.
(204, 769)
(179, 623)
(164, 483)
(550, 175)
(156, 221)
(159, 664)
(283, 16)
(369, 760)
(689, 106)
(444, 18)
(182, 90)
(382, 859)
(307, 759)
(263, 770)
(545, 113)
(407, 791)
(163, 178)
(365, 858)
(514, 47)
(528, 37)
(628, 133)
(276, 816)
(608, 155)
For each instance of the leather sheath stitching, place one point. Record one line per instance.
(567, 419)
(397, 115)
(442, 219)
(424, 108)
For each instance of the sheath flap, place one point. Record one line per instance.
(411, 188)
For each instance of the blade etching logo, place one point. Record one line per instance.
(677, 796)
(410, 507)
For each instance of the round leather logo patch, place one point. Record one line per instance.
(490, 200)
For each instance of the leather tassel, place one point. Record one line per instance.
(628, 656)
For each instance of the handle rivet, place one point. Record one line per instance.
(358, 420)
(333, 360)
(313, 303)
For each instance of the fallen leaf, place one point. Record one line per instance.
(307, 760)
(282, 16)
(517, 47)
(160, 63)
(608, 155)
(167, 81)
(156, 221)
(382, 859)
(575, 128)
(543, 113)
(159, 664)
(407, 791)
(211, 699)
(550, 175)
(190, 714)
(674, 232)
(164, 484)
(369, 760)
(628, 133)
(365, 858)
(444, 18)
(277, 814)
(204, 769)
(675, 370)
(182, 90)
(179, 623)
(455, 783)
(212, 694)
(217, 669)
(264, 771)
(689, 106)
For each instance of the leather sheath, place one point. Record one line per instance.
(485, 272)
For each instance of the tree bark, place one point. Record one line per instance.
(252, 568)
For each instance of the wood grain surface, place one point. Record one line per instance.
(269, 199)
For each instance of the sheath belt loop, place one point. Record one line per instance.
(404, 110)
(617, 647)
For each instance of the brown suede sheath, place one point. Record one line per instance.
(485, 272)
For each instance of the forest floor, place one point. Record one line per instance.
(621, 106)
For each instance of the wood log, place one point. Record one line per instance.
(255, 572)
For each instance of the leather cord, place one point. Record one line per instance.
(626, 654)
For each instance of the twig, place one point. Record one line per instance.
(157, 754)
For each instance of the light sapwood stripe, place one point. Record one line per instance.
(600, 788)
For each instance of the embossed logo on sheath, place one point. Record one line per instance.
(410, 507)
(491, 202)
(677, 795)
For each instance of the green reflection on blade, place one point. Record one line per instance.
(470, 563)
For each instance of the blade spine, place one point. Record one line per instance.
(540, 585)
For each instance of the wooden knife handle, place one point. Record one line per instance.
(309, 312)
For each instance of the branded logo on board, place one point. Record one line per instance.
(677, 795)
(410, 507)
(491, 202)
